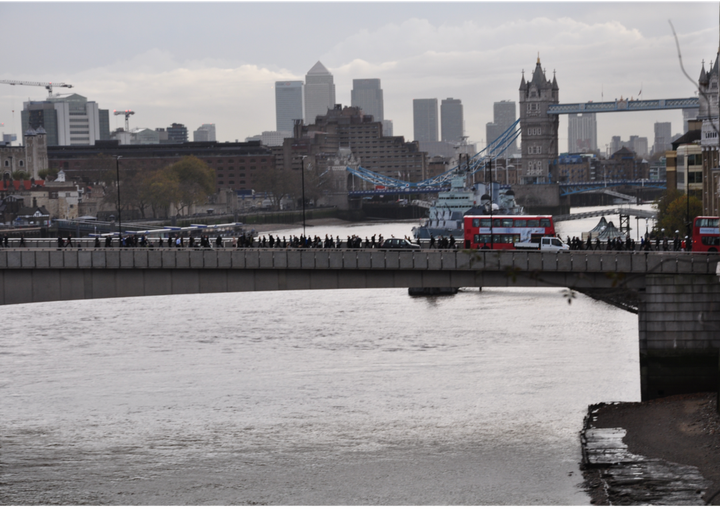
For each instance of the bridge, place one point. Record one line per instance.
(623, 105)
(676, 295)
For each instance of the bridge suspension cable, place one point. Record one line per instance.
(478, 162)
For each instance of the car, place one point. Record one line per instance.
(399, 243)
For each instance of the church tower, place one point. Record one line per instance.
(539, 130)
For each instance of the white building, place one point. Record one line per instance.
(319, 92)
(205, 133)
(68, 119)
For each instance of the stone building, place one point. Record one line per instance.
(346, 128)
(31, 157)
(539, 130)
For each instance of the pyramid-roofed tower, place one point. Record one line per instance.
(319, 92)
(539, 130)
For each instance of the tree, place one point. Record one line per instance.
(278, 182)
(673, 212)
(46, 174)
(196, 181)
(20, 175)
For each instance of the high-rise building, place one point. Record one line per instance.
(503, 117)
(663, 137)
(367, 95)
(319, 93)
(582, 133)
(451, 120)
(177, 134)
(387, 128)
(68, 119)
(425, 120)
(205, 133)
(288, 104)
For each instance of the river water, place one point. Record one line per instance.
(342, 397)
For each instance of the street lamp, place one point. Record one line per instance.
(117, 171)
(302, 172)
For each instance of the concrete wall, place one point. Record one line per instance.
(679, 322)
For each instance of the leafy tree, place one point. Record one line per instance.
(20, 175)
(196, 181)
(673, 209)
(50, 174)
(161, 188)
(278, 182)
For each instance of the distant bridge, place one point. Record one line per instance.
(589, 186)
(623, 105)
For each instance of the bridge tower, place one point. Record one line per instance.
(539, 130)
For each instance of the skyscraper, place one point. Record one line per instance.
(503, 116)
(425, 120)
(319, 93)
(368, 96)
(451, 120)
(663, 137)
(582, 133)
(177, 133)
(288, 104)
(205, 133)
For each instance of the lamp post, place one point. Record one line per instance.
(117, 171)
(302, 177)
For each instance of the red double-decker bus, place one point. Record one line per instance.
(503, 231)
(706, 234)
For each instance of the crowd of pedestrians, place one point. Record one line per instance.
(353, 241)
(657, 244)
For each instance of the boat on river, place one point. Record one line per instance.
(445, 215)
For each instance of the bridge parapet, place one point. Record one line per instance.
(363, 259)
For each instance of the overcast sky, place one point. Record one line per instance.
(196, 63)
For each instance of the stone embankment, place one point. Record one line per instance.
(660, 452)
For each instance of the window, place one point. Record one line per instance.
(707, 222)
(520, 223)
(533, 223)
(544, 222)
(21, 163)
(507, 222)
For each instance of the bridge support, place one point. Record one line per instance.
(679, 321)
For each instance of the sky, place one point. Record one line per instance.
(201, 62)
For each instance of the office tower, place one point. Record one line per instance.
(205, 133)
(451, 120)
(663, 137)
(68, 119)
(368, 96)
(425, 120)
(503, 117)
(177, 134)
(387, 128)
(582, 133)
(288, 104)
(319, 93)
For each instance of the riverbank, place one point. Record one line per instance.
(681, 430)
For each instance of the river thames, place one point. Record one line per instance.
(343, 397)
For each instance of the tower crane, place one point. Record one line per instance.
(127, 114)
(48, 85)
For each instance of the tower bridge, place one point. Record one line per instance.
(676, 295)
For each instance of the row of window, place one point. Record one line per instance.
(511, 222)
(21, 163)
(230, 175)
(230, 182)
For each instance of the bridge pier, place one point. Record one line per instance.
(679, 323)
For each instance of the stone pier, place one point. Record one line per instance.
(679, 323)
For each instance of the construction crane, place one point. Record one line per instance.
(127, 114)
(48, 85)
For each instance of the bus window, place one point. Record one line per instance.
(544, 222)
(710, 241)
(476, 222)
(507, 222)
(521, 223)
(497, 222)
(533, 223)
(484, 222)
(707, 222)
